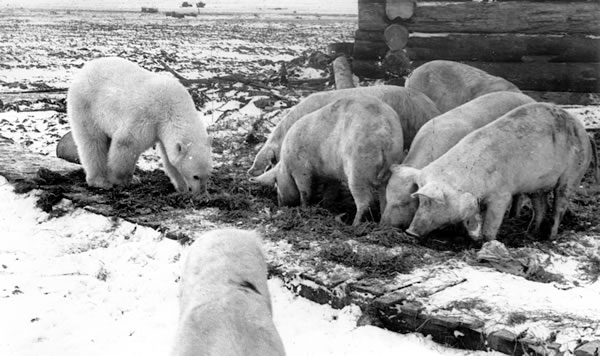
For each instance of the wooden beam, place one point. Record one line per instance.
(368, 68)
(502, 17)
(503, 47)
(369, 49)
(399, 9)
(369, 35)
(569, 77)
(397, 62)
(342, 73)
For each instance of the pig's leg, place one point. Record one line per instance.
(382, 199)
(287, 193)
(496, 208)
(561, 202)
(303, 182)
(516, 205)
(363, 198)
(540, 207)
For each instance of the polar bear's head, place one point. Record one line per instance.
(194, 164)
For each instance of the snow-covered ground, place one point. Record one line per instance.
(84, 284)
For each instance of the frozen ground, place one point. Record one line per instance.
(83, 284)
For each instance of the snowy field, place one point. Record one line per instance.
(83, 284)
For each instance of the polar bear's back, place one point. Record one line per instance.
(113, 92)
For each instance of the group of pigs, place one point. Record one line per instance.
(475, 145)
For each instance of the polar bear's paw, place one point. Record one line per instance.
(99, 182)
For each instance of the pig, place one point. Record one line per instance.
(412, 107)
(434, 139)
(451, 84)
(534, 148)
(118, 110)
(225, 305)
(353, 140)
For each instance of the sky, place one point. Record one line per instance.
(310, 6)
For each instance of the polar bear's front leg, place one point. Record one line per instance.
(172, 172)
(122, 156)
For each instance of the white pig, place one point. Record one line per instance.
(353, 140)
(534, 148)
(434, 139)
(413, 109)
(225, 305)
(451, 84)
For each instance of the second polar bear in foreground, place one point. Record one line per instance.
(225, 305)
(118, 110)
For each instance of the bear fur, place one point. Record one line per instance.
(118, 110)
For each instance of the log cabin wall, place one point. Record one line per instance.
(542, 45)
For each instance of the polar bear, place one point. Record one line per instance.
(118, 110)
(224, 301)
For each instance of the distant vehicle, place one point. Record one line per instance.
(186, 4)
(151, 10)
(200, 4)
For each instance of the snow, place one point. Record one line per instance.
(84, 284)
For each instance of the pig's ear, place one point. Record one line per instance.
(430, 191)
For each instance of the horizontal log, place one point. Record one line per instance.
(503, 47)
(396, 37)
(369, 35)
(568, 77)
(501, 17)
(399, 9)
(369, 49)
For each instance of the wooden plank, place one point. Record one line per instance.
(502, 17)
(503, 47)
(568, 77)
(399, 9)
(396, 36)
(369, 49)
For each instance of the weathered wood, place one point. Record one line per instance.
(397, 62)
(399, 9)
(569, 77)
(503, 47)
(342, 73)
(396, 36)
(369, 49)
(371, 15)
(376, 36)
(497, 17)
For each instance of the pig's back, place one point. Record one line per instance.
(441, 133)
(521, 150)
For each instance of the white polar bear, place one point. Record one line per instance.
(224, 301)
(118, 110)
